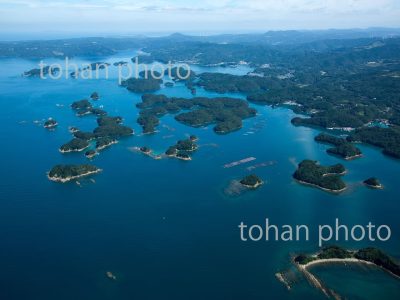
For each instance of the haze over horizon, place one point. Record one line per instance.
(23, 18)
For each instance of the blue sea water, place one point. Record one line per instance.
(166, 228)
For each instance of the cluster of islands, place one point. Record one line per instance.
(109, 129)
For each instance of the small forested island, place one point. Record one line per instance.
(84, 107)
(342, 148)
(73, 129)
(94, 96)
(65, 173)
(145, 150)
(104, 142)
(50, 124)
(181, 149)
(373, 182)
(251, 181)
(91, 153)
(325, 178)
(142, 85)
(226, 113)
(74, 145)
(193, 138)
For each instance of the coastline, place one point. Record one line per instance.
(321, 188)
(67, 179)
(108, 145)
(73, 150)
(258, 184)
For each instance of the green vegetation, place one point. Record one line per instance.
(112, 131)
(171, 151)
(347, 151)
(148, 123)
(142, 85)
(227, 113)
(83, 104)
(334, 252)
(90, 153)
(379, 258)
(370, 254)
(94, 96)
(50, 123)
(386, 138)
(373, 183)
(183, 155)
(178, 74)
(329, 139)
(87, 136)
(182, 149)
(106, 120)
(150, 74)
(304, 259)
(42, 72)
(145, 149)
(74, 145)
(104, 142)
(342, 147)
(84, 107)
(120, 63)
(97, 66)
(186, 145)
(227, 83)
(64, 173)
(326, 178)
(251, 181)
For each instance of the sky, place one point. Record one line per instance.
(124, 17)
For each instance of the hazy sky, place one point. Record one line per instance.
(202, 16)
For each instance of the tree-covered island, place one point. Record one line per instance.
(226, 113)
(95, 96)
(50, 124)
(325, 178)
(65, 173)
(74, 145)
(91, 153)
(182, 149)
(342, 148)
(84, 107)
(251, 181)
(373, 182)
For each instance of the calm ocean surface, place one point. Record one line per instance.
(165, 228)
